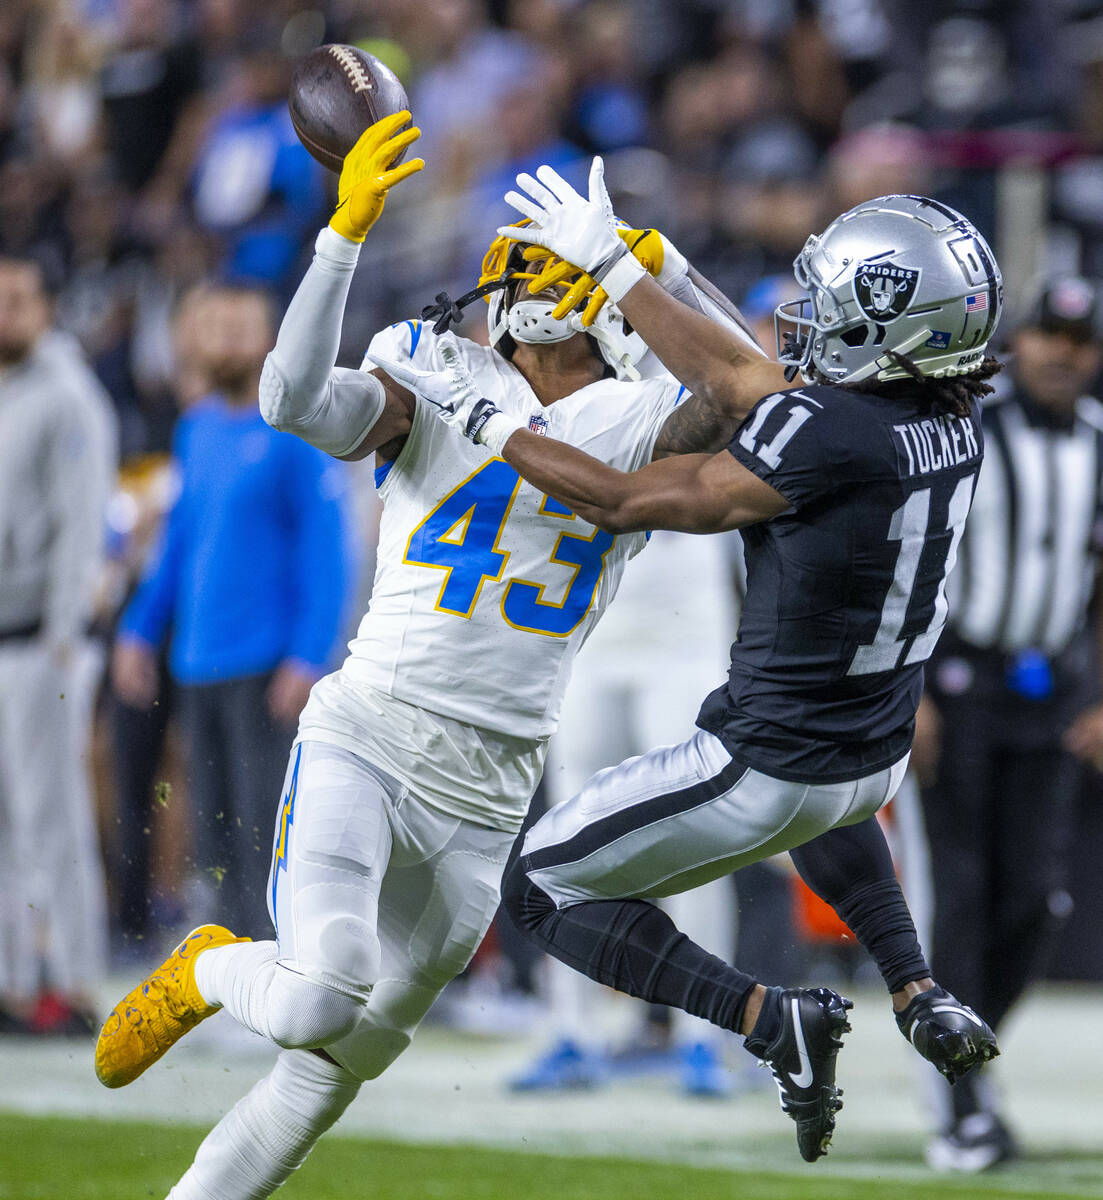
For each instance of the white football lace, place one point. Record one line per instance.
(353, 68)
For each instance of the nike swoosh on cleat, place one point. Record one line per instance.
(805, 1077)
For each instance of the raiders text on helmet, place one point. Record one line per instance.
(900, 273)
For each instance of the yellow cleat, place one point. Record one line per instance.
(158, 1012)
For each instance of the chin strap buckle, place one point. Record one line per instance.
(792, 351)
(445, 312)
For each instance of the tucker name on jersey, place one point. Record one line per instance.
(938, 442)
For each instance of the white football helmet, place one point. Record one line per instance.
(618, 343)
(900, 273)
(528, 320)
(533, 321)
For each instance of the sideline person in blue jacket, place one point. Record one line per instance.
(252, 574)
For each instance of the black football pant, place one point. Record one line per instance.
(998, 821)
(669, 820)
(138, 737)
(236, 758)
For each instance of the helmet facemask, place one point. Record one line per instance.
(530, 320)
(615, 341)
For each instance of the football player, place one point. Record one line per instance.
(414, 764)
(852, 492)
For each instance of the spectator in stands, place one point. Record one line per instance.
(252, 575)
(57, 465)
(254, 185)
(145, 83)
(140, 735)
(1008, 689)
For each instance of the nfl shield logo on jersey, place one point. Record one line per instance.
(883, 289)
(538, 425)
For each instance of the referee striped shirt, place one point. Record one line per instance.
(1030, 550)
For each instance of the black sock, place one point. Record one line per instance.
(633, 946)
(767, 1025)
(852, 870)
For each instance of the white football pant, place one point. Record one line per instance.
(378, 901)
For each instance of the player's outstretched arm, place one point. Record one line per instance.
(724, 370)
(346, 413)
(690, 493)
(698, 493)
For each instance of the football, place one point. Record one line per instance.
(336, 93)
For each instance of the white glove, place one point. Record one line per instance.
(455, 396)
(576, 229)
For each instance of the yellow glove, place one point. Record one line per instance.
(365, 179)
(648, 245)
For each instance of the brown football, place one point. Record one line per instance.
(336, 93)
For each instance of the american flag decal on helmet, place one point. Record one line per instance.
(976, 303)
(538, 425)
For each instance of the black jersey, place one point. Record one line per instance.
(846, 591)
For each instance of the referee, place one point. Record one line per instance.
(1008, 691)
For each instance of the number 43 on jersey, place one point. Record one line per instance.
(461, 537)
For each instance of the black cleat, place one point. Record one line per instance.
(802, 1059)
(947, 1033)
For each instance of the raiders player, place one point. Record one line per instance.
(852, 492)
(414, 763)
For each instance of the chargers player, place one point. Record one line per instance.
(414, 763)
(852, 492)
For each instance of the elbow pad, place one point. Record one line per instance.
(338, 420)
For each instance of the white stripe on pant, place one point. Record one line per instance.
(679, 816)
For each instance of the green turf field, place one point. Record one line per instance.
(66, 1159)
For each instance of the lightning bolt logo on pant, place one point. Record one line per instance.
(286, 818)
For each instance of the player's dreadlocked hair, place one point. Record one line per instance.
(951, 396)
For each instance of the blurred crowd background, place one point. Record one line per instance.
(146, 156)
(145, 144)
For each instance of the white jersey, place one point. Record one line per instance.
(676, 607)
(486, 588)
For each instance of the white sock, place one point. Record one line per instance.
(270, 999)
(237, 977)
(270, 1131)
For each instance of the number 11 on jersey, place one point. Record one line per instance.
(910, 527)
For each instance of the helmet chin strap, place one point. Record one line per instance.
(531, 321)
(446, 312)
(617, 356)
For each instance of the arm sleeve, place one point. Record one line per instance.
(301, 390)
(682, 288)
(146, 618)
(82, 464)
(323, 561)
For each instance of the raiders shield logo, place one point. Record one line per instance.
(884, 290)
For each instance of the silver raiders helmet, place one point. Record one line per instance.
(901, 273)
